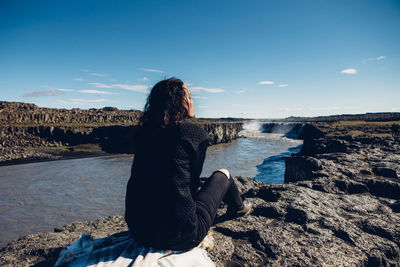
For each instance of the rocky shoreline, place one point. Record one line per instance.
(20, 144)
(339, 206)
(29, 133)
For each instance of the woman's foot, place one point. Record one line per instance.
(246, 208)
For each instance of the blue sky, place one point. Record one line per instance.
(255, 59)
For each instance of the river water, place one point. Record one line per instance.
(37, 197)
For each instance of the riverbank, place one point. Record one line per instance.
(43, 154)
(24, 144)
(29, 133)
(339, 205)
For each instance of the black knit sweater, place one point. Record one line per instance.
(160, 209)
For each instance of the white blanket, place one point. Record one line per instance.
(124, 251)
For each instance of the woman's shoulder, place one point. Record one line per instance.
(192, 131)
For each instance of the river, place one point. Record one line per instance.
(36, 197)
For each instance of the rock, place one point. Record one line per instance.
(293, 130)
(290, 225)
(348, 165)
(301, 168)
(223, 132)
(386, 172)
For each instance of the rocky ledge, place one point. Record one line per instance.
(339, 206)
(348, 165)
(291, 225)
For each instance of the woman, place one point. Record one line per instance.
(164, 208)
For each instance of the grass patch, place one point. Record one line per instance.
(363, 123)
(77, 148)
(357, 128)
(50, 148)
(86, 148)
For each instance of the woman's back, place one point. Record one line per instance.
(164, 208)
(165, 174)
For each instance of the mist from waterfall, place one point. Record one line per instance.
(256, 129)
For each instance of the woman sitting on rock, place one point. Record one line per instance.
(165, 208)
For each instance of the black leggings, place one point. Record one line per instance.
(217, 188)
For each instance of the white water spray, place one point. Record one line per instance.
(254, 129)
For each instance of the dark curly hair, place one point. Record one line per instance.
(165, 105)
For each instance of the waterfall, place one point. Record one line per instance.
(266, 130)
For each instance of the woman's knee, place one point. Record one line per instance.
(226, 172)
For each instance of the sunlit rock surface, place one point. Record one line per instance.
(290, 225)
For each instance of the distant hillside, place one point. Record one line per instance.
(24, 113)
(380, 116)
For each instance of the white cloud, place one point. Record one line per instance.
(80, 100)
(78, 79)
(198, 97)
(98, 74)
(113, 80)
(150, 70)
(95, 92)
(240, 91)
(132, 107)
(64, 90)
(51, 92)
(101, 85)
(331, 108)
(136, 88)
(209, 90)
(203, 106)
(42, 93)
(266, 82)
(86, 70)
(375, 58)
(349, 71)
(283, 85)
(143, 79)
(285, 109)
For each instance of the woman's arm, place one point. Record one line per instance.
(185, 206)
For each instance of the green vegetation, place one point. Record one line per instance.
(63, 149)
(371, 128)
(364, 123)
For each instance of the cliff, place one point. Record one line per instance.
(30, 142)
(23, 113)
(27, 131)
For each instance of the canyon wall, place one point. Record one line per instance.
(24, 113)
(113, 138)
(24, 127)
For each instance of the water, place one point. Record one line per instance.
(37, 197)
